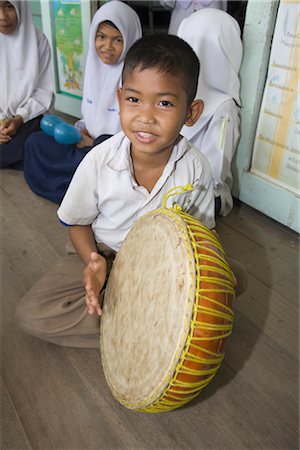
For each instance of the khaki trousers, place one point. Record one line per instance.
(54, 309)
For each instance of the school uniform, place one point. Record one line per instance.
(215, 37)
(109, 166)
(104, 194)
(26, 87)
(218, 139)
(48, 165)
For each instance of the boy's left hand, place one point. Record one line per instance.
(94, 276)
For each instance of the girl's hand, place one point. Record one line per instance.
(9, 127)
(94, 276)
(4, 138)
(86, 140)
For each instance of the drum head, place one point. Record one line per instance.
(147, 309)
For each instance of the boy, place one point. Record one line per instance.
(119, 181)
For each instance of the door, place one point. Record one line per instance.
(266, 168)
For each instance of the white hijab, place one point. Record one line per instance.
(19, 62)
(214, 35)
(199, 4)
(99, 104)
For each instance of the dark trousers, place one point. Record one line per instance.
(49, 166)
(12, 153)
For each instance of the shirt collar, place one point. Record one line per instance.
(122, 159)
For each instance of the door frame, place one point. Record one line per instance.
(263, 195)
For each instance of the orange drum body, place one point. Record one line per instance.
(167, 312)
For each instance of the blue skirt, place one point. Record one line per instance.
(49, 166)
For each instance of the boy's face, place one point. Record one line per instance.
(153, 109)
(8, 18)
(108, 43)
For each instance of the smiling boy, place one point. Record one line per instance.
(118, 182)
(153, 107)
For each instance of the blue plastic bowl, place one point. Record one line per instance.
(48, 124)
(66, 134)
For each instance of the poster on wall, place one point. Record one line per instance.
(67, 32)
(276, 154)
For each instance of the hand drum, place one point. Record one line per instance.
(167, 312)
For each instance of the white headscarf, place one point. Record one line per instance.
(199, 4)
(184, 8)
(19, 62)
(99, 104)
(214, 35)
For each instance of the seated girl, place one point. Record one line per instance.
(215, 37)
(49, 165)
(25, 78)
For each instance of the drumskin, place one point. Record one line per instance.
(166, 325)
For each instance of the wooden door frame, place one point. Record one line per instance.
(273, 200)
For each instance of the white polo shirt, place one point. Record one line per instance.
(104, 194)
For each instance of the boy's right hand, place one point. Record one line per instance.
(94, 276)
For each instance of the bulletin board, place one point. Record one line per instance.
(69, 54)
(66, 24)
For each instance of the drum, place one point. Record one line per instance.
(167, 312)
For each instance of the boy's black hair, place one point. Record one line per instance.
(168, 54)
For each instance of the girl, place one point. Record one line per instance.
(48, 165)
(215, 37)
(25, 80)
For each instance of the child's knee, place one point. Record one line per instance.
(27, 319)
(24, 317)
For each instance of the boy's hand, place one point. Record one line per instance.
(94, 276)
